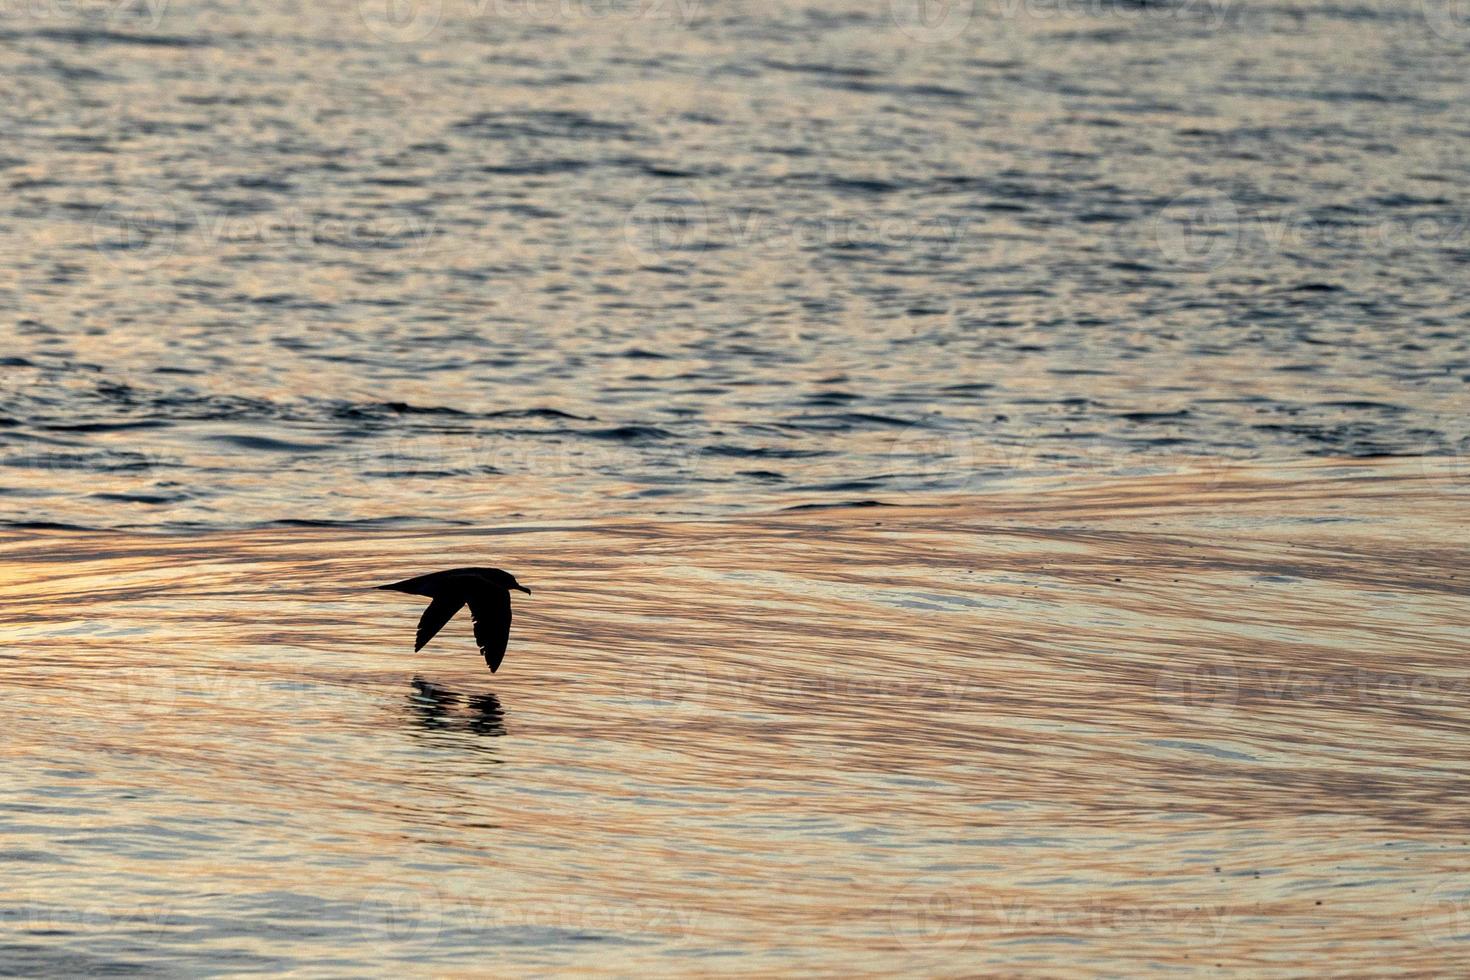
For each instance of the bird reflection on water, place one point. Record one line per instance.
(438, 709)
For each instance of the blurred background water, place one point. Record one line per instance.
(462, 260)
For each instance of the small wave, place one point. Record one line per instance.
(837, 504)
(380, 409)
(538, 413)
(536, 168)
(140, 498)
(847, 420)
(397, 521)
(267, 444)
(831, 398)
(550, 124)
(858, 185)
(1154, 416)
(46, 526)
(1365, 406)
(764, 452)
(104, 426)
(629, 433)
(102, 462)
(85, 36)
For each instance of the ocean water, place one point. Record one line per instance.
(1160, 725)
(1137, 330)
(457, 261)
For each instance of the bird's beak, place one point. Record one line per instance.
(524, 589)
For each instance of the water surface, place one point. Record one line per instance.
(1158, 725)
(313, 263)
(1138, 326)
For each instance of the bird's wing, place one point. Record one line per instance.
(492, 625)
(430, 585)
(440, 611)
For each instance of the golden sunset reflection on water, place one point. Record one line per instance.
(993, 478)
(1175, 722)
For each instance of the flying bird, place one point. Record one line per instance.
(485, 590)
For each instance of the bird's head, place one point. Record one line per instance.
(502, 579)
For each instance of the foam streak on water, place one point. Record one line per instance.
(1105, 730)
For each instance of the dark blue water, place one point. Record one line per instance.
(476, 260)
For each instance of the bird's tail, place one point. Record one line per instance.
(419, 585)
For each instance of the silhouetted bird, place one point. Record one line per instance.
(486, 590)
